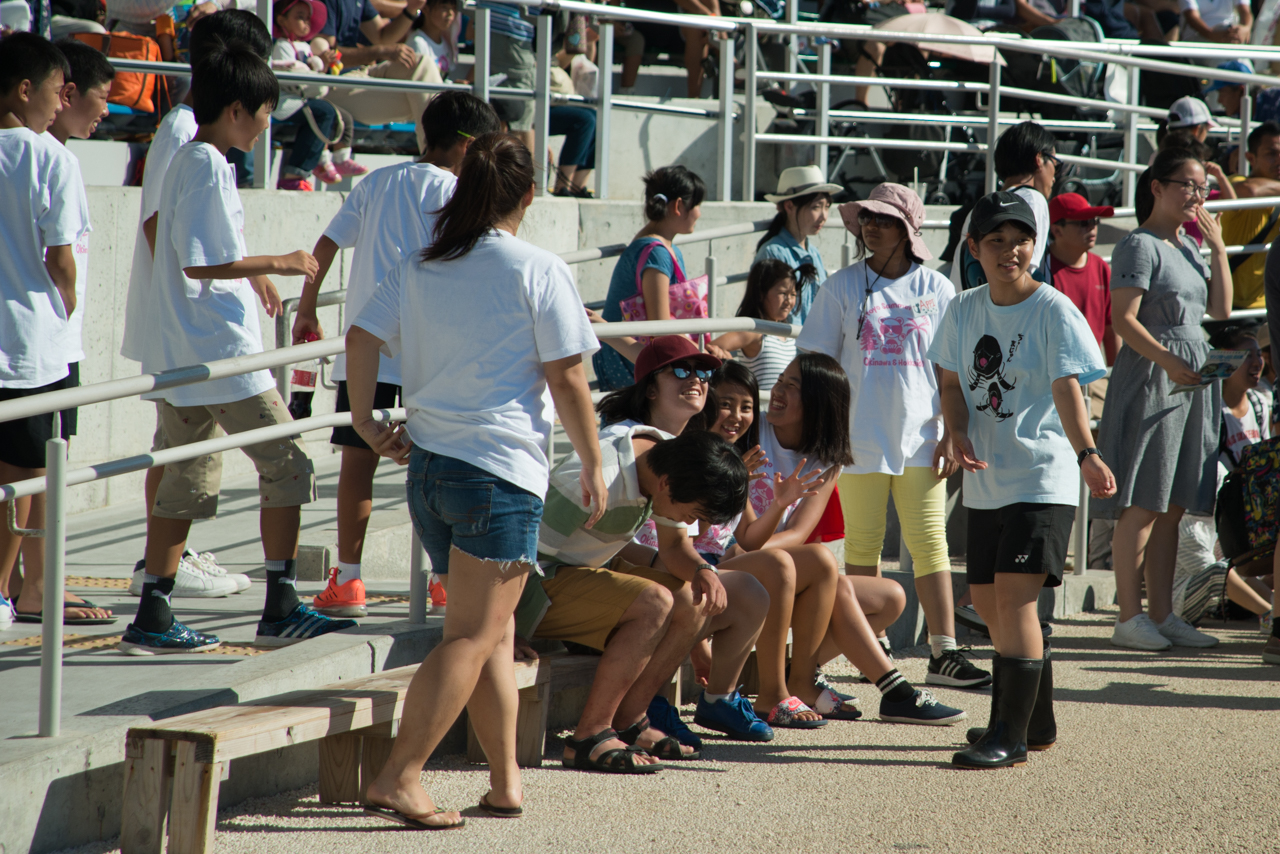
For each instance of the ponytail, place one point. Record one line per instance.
(780, 219)
(1167, 162)
(495, 176)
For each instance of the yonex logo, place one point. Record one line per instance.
(1021, 558)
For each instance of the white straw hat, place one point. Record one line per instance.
(801, 181)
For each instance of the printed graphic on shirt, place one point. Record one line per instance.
(885, 341)
(988, 369)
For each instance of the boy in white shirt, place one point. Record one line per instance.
(388, 215)
(42, 215)
(199, 576)
(203, 308)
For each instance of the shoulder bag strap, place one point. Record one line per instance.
(1237, 261)
(644, 256)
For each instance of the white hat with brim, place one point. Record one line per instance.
(801, 181)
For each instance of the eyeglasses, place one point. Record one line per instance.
(1189, 187)
(1050, 158)
(880, 220)
(683, 372)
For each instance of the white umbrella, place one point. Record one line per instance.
(943, 25)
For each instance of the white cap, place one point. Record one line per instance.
(1187, 112)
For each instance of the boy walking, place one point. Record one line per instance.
(203, 308)
(390, 213)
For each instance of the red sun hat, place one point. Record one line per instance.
(1076, 206)
(664, 350)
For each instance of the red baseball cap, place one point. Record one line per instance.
(1076, 206)
(664, 350)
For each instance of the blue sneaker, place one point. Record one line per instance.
(178, 639)
(732, 716)
(922, 708)
(301, 624)
(665, 717)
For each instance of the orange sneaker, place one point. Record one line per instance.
(437, 593)
(342, 600)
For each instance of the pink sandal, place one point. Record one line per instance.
(784, 715)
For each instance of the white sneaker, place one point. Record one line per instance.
(208, 562)
(1139, 633)
(192, 582)
(1182, 633)
(6, 613)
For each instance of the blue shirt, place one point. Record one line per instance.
(345, 18)
(785, 248)
(1008, 357)
(613, 371)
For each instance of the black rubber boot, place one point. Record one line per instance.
(1042, 731)
(1005, 742)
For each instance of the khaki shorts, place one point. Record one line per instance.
(588, 603)
(189, 489)
(1097, 397)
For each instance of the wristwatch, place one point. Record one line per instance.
(1086, 452)
(714, 571)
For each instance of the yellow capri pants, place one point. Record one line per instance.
(921, 501)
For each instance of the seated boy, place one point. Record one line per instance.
(203, 308)
(590, 596)
(389, 214)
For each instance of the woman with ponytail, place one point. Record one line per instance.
(1161, 446)
(475, 443)
(804, 202)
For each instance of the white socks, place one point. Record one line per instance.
(341, 155)
(348, 572)
(939, 644)
(714, 698)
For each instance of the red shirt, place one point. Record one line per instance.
(1089, 287)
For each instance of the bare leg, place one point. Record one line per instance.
(492, 710)
(866, 67)
(631, 69)
(150, 486)
(482, 599)
(984, 601)
(580, 178)
(355, 501)
(280, 527)
(686, 625)
(736, 630)
(1242, 594)
(851, 635)
(1016, 613)
(695, 50)
(817, 576)
(776, 571)
(1161, 555)
(1128, 546)
(868, 572)
(10, 543)
(936, 598)
(880, 601)
(166, 539)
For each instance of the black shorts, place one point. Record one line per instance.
(22, 441)
(1021, 538)
(385, 396)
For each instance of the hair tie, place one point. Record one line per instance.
(659, 197)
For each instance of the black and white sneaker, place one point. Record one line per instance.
(955, 671)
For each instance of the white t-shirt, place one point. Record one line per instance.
(1240, 433)
(1008, 358)
(390, 215)
(780, 460)
(1214, 13)
(438, 51)
(201, 224)
(176, 129)
(475, 333)
(895, 414)
(73, 340)
(42, 204)
(1039, 207)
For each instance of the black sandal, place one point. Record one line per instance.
(667, 748)
(619, 760)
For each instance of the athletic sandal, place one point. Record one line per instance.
(38, 617)
(414, 822)
(666, 748)
(497, 811)
(619, 760)
(784, 715)
(833, 707)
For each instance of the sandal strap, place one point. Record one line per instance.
(631, 734)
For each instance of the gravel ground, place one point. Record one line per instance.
(1168, 752)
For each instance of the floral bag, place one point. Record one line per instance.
(686, 299)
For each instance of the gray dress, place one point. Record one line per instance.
(1161, 448)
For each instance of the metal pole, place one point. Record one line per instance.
(993, 125)
(1081, 544)
(542, 104)
(604, 82)
(262, 150)
(749, 116)
(480, 78)
(712, 288)
(418, 581)
(793, 41)
(824, 103)
(1131, 139)
(1075, 8)
(55, 548)
(724, 161)
(1246, 118)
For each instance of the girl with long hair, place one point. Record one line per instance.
(804, 203)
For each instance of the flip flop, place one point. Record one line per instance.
(411, 821)
(833, 707)
(83, 603)
(784, 715)
(38, 617)
(499, 812)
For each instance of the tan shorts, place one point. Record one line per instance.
(189, 489)
(1097, 397)
(588, 603)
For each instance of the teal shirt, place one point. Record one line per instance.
(785, 248)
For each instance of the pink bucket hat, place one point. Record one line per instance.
(319, 16)
(894, 200)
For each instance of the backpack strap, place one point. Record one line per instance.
(1222, 442)
(1255, 401)
(1238, 261)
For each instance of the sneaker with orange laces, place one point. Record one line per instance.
(438, 599)
(341, 600)
(295, 183)
(350, 167)
(326, 173)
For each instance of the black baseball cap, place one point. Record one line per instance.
(1000, 207)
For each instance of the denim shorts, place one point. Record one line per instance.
(455, 504)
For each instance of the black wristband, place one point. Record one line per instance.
(1087, 452)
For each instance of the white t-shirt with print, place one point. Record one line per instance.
(390, 215)
(42, 204)
(474, 333)
(438, 51)
(73, 341)
(201, 224)
(1216, 14)
(1039, 207)
(176, 129)
(779, 460)
(1008, 358)
(895, 415)
(1240, 433)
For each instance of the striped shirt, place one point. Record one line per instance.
(774, 356)
(507, 21)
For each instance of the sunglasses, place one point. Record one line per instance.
(880, 220)
(683, 371)
(1084, 223)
